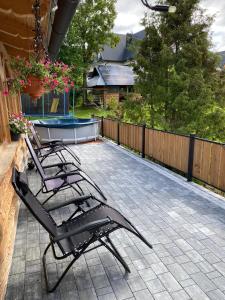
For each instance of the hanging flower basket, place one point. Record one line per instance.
(35, 87)
(38, 77)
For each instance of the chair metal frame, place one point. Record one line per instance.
(95, 228)
(53, 147)
(61, 174)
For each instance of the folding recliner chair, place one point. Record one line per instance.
(62, 179)
(74, 236)
(53, 147)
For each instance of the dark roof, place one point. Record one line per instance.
(121, 53)
(111, 75)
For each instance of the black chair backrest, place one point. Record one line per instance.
(35, 136)
(35, 158)
(20, 184)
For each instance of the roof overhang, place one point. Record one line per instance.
(17, 25)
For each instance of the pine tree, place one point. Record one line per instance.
(182, 78)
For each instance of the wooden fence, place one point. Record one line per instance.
(195, 157)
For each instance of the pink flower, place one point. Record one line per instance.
(72, 83)
(5, 92)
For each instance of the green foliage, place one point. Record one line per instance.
(177, 75)
(89, 31)
(114, 108)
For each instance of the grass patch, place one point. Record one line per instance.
(87, 112)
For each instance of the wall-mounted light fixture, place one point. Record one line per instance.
(160, 8)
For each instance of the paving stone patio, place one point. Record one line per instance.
(187, 232)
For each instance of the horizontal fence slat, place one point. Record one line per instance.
(170, 149)
(209, 162)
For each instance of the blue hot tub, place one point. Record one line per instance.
(70, 130)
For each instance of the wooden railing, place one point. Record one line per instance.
(196, 158)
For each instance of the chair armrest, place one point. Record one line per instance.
(77, 201)
(87, 227)
(61, 164)
(52, 142)
(62, 175)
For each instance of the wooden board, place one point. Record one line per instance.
(167, 148)
(209, 163)
(14, 154)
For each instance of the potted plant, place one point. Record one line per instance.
(18, 125)
(36, 77)
(60, 78)
(30, 76)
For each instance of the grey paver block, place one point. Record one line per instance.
(170, 282)
(114, 272)
(96, 270)
(180, 295)
(87, 294)
(190, 268)
(33, 289)
(100, 281)
(152, 258)
(15, 287)
(183, 245)
(121, 289)
(110, 296)
(178, 272)
(143, 295)
(203, 282)
(216, 295)
(159, 268)
(219, 282)
(105, 290)
(213, 275)
(136, 284)
(163, 296)
(18, 265)
(220, 266)
(194, 256)
(33, 253)
(196, 293)
(155, 286)
(205, 267)
(211, 258)
(147, 274)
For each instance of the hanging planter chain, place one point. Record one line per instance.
(39, 48)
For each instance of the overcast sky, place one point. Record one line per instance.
(130, 12)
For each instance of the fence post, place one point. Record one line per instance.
(102, 127)
(143, 141)
(191, 156)
(118, 133)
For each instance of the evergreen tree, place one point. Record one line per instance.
(177, 71)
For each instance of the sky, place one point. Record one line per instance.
(130, 12)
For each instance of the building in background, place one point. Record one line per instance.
(111, 76)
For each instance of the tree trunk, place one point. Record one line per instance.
(85, 88)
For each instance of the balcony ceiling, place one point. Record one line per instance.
(17, 25)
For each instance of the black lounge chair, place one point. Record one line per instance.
(53, 147)
(62, 179)
(74, 236)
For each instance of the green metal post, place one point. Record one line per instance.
(43, 105)
(73, 102)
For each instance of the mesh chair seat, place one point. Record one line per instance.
(77, 241)
(56, 183)
(50, 151)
